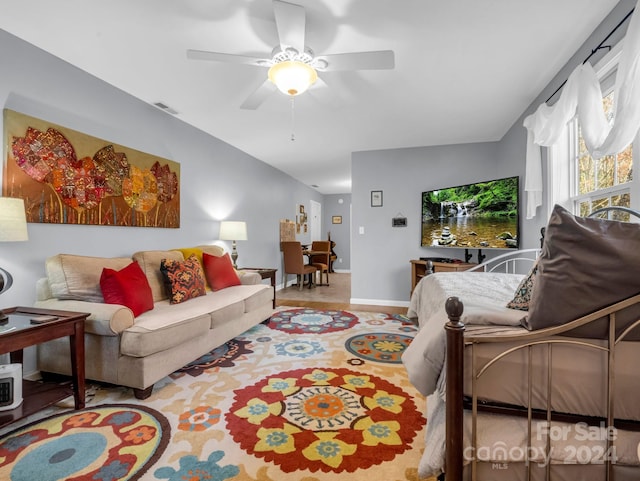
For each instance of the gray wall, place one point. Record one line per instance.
(339, 204)
(380, 256)
(217, 181)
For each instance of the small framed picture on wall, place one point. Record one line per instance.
(336, 219)
(376, 198)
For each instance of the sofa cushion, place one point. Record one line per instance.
(184, 280)
(78, 277)
(234, 301)
(221, 315)
(258, 297)
(128, 287)
(166, 326)
(150, 263)
(585, 264)
(219, 271)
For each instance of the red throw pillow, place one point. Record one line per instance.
(128, 287)
(219, 271)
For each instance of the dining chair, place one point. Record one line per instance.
(320, 258)
(294, 263)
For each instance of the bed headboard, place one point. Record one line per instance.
(613, 209)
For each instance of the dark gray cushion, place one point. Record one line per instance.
(585, 264)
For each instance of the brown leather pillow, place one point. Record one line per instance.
(585, 264)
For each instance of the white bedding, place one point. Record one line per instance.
(484, 295)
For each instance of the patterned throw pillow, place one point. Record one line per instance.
(183, 280)
(522, 296)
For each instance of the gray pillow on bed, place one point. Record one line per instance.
(585, 264)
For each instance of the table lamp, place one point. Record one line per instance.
(233, 231)
(13, 227)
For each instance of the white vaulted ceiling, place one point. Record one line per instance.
(465, 70)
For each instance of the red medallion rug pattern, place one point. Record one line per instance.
(308, 395)
(323, 419)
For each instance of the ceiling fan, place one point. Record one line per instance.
(293, 67)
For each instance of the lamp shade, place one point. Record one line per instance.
(233, 230)
(292, 77)
(13, 220)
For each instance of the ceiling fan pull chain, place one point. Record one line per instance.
(293, 118)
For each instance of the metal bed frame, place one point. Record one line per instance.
(457, 341)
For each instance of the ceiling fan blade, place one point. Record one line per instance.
(226, 57)
(376, 60)
(259, 95)
(290, 22)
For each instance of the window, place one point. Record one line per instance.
(600, 183)
(582, 184)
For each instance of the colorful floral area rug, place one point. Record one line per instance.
(308, 395)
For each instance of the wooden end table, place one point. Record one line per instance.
(265, 273)
(19, 332)
(419, 269)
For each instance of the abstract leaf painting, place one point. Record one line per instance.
(67, 177)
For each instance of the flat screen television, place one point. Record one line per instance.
(482, 215)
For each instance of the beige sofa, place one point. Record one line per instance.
(137, 352)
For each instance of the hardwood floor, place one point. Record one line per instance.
(342, 306)
(334, 296)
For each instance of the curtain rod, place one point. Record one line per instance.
(593, 52)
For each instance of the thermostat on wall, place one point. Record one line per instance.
(399, 222)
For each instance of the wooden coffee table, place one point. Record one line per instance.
(19, 332)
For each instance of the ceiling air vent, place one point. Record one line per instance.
(166, 108)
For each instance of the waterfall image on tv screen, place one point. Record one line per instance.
(474, 216)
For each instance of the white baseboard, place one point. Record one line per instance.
(378, 302)
(342, 271)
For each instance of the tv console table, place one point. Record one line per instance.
(419, 269)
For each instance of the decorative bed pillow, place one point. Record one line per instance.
(184, 280)
(219, 271)
(522, 296)
(128, 287)
(586, 264)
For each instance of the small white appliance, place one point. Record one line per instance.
(10, 386)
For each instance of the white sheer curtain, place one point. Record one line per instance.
(582, 93)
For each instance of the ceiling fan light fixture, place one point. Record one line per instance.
(292, 77)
